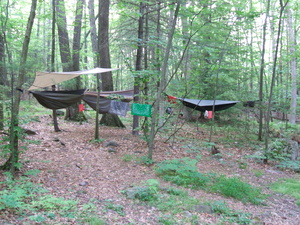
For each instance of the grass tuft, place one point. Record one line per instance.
(288, 186)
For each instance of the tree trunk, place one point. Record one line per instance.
(293, 65)
(63, 37)
(2, 80)
(282, 7)
(161, 88)
(72, 112)
(138, 67)
(145, 126)
(111, 120)
(104, 60)
(93, 31)
(163, 79)
(77, 35)
(103, 46)
(13, 161)
(96, 59)
(54, 114)
(261, 74)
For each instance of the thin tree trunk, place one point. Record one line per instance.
(251, 56)
(2, 80)
(94, 40)
(96, 57)
(54, 114)
(146, 125)
(282, 7)
(161, 87)
(261, 74)
(138, 66)
(293, 65)
(12, 163)
(163, 79)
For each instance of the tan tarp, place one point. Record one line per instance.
(47, 79)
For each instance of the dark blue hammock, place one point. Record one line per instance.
(209, 105)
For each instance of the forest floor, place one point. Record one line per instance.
(73, 166)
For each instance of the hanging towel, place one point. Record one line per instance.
(118, 108)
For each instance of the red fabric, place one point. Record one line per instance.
(172, 99)
(81, 107)
(210, 115)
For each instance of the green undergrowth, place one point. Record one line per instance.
(175, 204)
(289, 187)
(229, 215)
(28, 108)
(28, 202)
(183, 172)
(144, 160)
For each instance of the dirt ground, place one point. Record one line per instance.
(74, 167)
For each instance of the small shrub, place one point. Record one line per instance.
(49, 202)
(88, 214)
(167, 220)
(116, 207)
(145, 160)
(175, 204)
(258, 173)
(147, 192)
(174, 191)
(128, 158)
(278, 150)
(291, 165)
(22, 197)
(17, 193)
(229, 215)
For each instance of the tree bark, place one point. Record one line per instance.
(54, 114)
(161, 87)
(72, 112)
(104, 55)
(145, 126)
(282, 7)
(104, 60)
(2, 79)
(93, 31)
(12, 163)
(293, 66)
(163, 79)
(77, 36)
(63, 36)
(138, 67)
(96, 59)
(261, 74)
